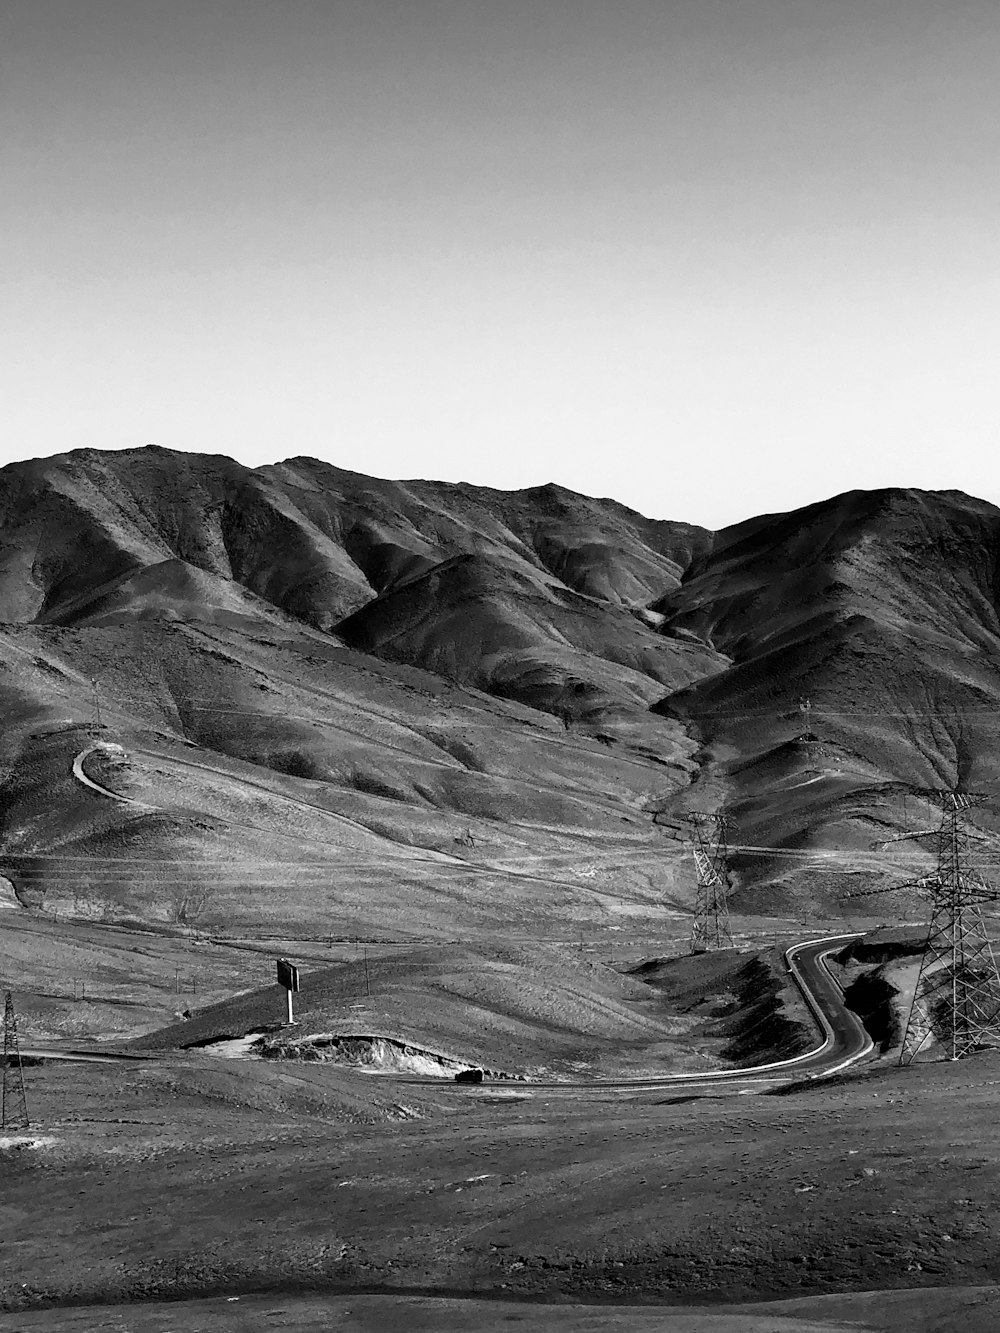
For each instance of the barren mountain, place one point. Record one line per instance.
(436, 743)
(370, 707)
(865, 666)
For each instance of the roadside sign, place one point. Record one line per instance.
(288, 975)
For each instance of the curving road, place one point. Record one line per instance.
(80, 773)
(81, 1055)
(845, 1040)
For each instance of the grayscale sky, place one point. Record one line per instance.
(710, 257)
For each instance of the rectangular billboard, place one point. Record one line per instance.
(288, 974)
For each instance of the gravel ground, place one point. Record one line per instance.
(189, 1180)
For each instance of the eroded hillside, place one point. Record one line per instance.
(489, 762)
(865, 666)
(369, 707)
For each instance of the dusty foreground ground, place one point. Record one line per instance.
(195, 1177)
(960, 1310)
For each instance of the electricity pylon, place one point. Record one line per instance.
(14, 1108)
(956, 998)
(96, 727)
(809, 738)
(711, 929)
(805, 708)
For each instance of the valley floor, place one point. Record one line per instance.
(189, 1178)
(924, 1310)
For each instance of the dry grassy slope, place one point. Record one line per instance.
(475, 619)
(305, 784)
(311, 788)
(91, 537)
(881, 609)
(744, 1008)
(512, 1008)
(201, 594)
(75, 979)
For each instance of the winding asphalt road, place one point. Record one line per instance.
(844, 1039)
(844, 1042)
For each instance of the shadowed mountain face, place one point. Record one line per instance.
(353, 705)
(865, 651)
(472, 582)
(395, 706)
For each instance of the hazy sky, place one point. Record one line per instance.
(711, 257)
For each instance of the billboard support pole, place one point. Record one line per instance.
(288, 977)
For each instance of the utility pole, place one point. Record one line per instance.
(956, 999)
(709, 845)
(14, 1110)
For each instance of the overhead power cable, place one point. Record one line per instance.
(422, 856)
(783, 712)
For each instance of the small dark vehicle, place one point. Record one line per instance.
(469, 1076)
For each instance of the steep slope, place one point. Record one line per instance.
(522, 634)
(90, 537)
(81, 520)
(529, 595)
(271, 774)
(408, 674)
(303, 784)
(865, 648)
(597, 547)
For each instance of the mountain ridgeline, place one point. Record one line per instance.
(387, 706)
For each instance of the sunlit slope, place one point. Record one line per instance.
(272, 774)
(865, 650)
(416, 692)
(280, 780)
(596, 547)
(555, 585)
(507, 1006)
(313, 540)
(522, 634)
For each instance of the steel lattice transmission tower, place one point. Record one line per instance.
(96, 727)
(709, 844)
(14, 1112)
(956, 998)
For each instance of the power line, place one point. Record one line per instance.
(653, 849)
(850, 864)
(784, 712)
(788, 713)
